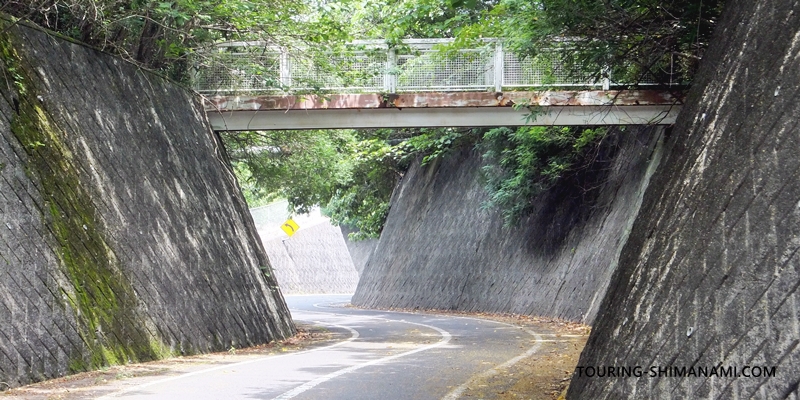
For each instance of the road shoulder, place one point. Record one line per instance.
(543, 375)
(114, 379)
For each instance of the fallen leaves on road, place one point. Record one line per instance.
(543, 376)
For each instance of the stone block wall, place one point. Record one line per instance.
(710, 275)
(123, 234)
(441, 249)
(313, 260)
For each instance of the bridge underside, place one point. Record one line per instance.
(453, 109)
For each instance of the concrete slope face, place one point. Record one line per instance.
(441, 249)
(123, 234)
(710, 275)
(313, 260)
(360, 250)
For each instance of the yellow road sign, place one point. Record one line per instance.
(290, 227)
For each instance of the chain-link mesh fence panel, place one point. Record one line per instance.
(416, 66)
(544, 70)
(239, 69)
(431, 70)
(348, 72)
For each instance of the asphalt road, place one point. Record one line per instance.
(385, 355)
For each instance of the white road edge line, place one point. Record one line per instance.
(309, 385)
(458, 391)
(329, 306)
(353, 332)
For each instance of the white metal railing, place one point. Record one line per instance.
(372, 66)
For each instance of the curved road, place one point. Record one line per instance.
(386, 355)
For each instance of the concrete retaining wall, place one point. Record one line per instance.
(440, 249)
(313, 260)
(123, 234)
(711, 273)
(360, 250)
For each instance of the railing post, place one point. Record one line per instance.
(196, 77)
(606, 78)
(390, 72)
(499, 66)
(671, 68)
(285, 68)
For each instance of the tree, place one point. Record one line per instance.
(351, 174)
(169, 35)
(394, 20)
(638, 40)
(303, 167)
(522, 163)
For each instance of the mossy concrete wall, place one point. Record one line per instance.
(441, 249)
(123, 235)
(711, 272)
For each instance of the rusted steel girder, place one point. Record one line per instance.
(442, 100)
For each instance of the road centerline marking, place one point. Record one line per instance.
(446, 336)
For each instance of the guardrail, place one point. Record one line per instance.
(372, 66)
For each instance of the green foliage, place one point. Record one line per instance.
(300, 166)
(362, 201)
(350, 174)
(522, 163)
(254, 195)
(629, 41)
(431, 144)
(638, 39)
(169, 35)
(394, 20)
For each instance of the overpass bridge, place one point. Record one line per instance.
(254, 86)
